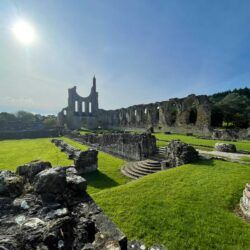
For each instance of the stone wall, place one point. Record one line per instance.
(84, 161)
(48, 208)
(189, 114)
(80, 110)
(126, 145)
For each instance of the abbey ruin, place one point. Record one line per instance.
(191, 114)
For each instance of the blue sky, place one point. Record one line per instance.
(140, 51)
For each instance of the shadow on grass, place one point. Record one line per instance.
(98, 179)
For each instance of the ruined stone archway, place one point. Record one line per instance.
(192, 116)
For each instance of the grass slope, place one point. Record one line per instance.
(240, 145)
(188, 207)
(14, 153)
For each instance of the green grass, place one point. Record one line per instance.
(240, 145)
(108, 174)
(245, 158)
(188, 207)
(14, 153)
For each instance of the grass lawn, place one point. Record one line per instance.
(188, 207)
(14, 153)
(108, 174)
(240, 145)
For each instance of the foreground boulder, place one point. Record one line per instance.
(179, 153)
(52, 210)
(224, 147)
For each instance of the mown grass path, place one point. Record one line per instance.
(188, 207)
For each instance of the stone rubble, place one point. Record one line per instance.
(84, 161)
(178, 153)
(225, 147)
(245, 202)
(48, 208)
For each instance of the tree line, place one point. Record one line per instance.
(231, 109)
(24, 120)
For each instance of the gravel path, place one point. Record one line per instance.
(230, 156)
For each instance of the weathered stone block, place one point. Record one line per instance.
(245, 201)
(179, 153)
(223, 147)
(28, 171)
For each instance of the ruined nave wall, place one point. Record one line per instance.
(190, 114)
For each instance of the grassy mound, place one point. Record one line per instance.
(240, 145)
(14, 153)
(188, 207)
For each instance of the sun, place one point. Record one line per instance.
(24, 32)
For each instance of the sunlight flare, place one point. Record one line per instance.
(24, 32)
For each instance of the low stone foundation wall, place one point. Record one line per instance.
(125, 145)
(84, 161)
(29, 134)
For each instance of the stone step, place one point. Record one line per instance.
(131, 173)
(136, 171)
(136, 166)
(151, 163)
(142, 165)
(139, 169)
(157, 157)
(124, 171)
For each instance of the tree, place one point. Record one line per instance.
(50, 121)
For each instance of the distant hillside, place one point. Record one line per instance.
(231, 108)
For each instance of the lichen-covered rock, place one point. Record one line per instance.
(55, 213)
(51, 181)
(245, 202)
(76, 183)
(10, 184)
(179, 153)
(29, 170)
(224, 147)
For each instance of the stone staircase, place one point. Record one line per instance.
(139, 169)
(162, 150)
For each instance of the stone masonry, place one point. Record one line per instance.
(190, 114)
(125, 145)
(84, 161)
